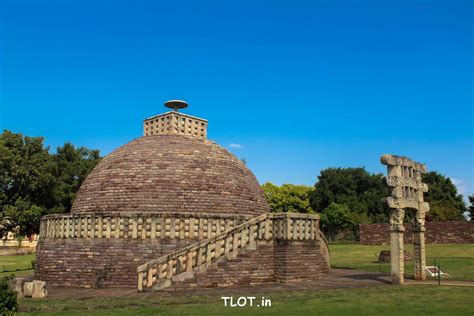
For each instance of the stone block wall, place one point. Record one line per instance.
(97, 262)
(248, 267)
(271, 261)
(299, 260)
(450, 232)
(134, 251)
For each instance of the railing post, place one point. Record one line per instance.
(235, 242)
(267, 228)
(149, 277)
(252, 245)
(208, 252)
(140, 281)
(199, 257)
(191, 228)
(288, 227)
(226, 245)
(307, 224)
(244, 238)
(169, 271)
(189, 261)
(217, 250)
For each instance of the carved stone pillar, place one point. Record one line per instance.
(396, 246)
(419, 258)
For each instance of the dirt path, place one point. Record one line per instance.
(337, 278)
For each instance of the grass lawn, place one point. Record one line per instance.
(20, 262)
(455, 259)
(458, 260)
(380, 300)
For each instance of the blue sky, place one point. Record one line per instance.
(299, 85)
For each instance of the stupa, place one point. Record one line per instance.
(173, 210)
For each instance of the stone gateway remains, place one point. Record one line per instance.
(404, 177)
(174, 210)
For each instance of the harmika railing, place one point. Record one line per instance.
(287, 226)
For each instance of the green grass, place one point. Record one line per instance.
(386, 300)
(20, 262)
(455, 259)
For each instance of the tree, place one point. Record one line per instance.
(360, 191)
(471, 207)
(71, 167)
(445, 202)
(8, 299)
(288, 197)
(335, 218)
(26, 180)
(34, 182)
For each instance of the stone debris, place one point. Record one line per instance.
(35, 289)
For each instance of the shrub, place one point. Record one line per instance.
(8, 302)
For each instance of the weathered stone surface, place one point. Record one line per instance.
(171, 173)
(175, 123)
(285, 262)
(17, 285)
(299, 260)
(453, 232)
(39, 289)
(404, 176)
(96, 263)
(28, 288)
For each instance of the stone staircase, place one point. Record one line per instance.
(229, 257)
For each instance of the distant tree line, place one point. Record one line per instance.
(347, 197)
(35, 182)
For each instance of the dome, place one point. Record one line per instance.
(171, 173)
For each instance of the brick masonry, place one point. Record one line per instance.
(171, 173)
(248, 267)
(95, 263)
(452, 232)
(296, 261)
(271, 261)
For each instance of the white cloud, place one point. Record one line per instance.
(459, 185)
(236, 146)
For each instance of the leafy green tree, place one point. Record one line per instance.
(34, 182)
(8, 298)
(360, 191)
(26, 180)
(71, 167)
(445, 202)
(25, 216)
(471, 207)
(335, 218)
(288, 197)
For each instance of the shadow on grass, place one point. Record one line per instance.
(376, 276)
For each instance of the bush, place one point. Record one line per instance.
(8, 302)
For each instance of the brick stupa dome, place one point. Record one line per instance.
(171, 173)
(174, 210)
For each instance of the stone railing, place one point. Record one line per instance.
(138, 225)
(295, 226)
(286, 226)
(324, 248)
